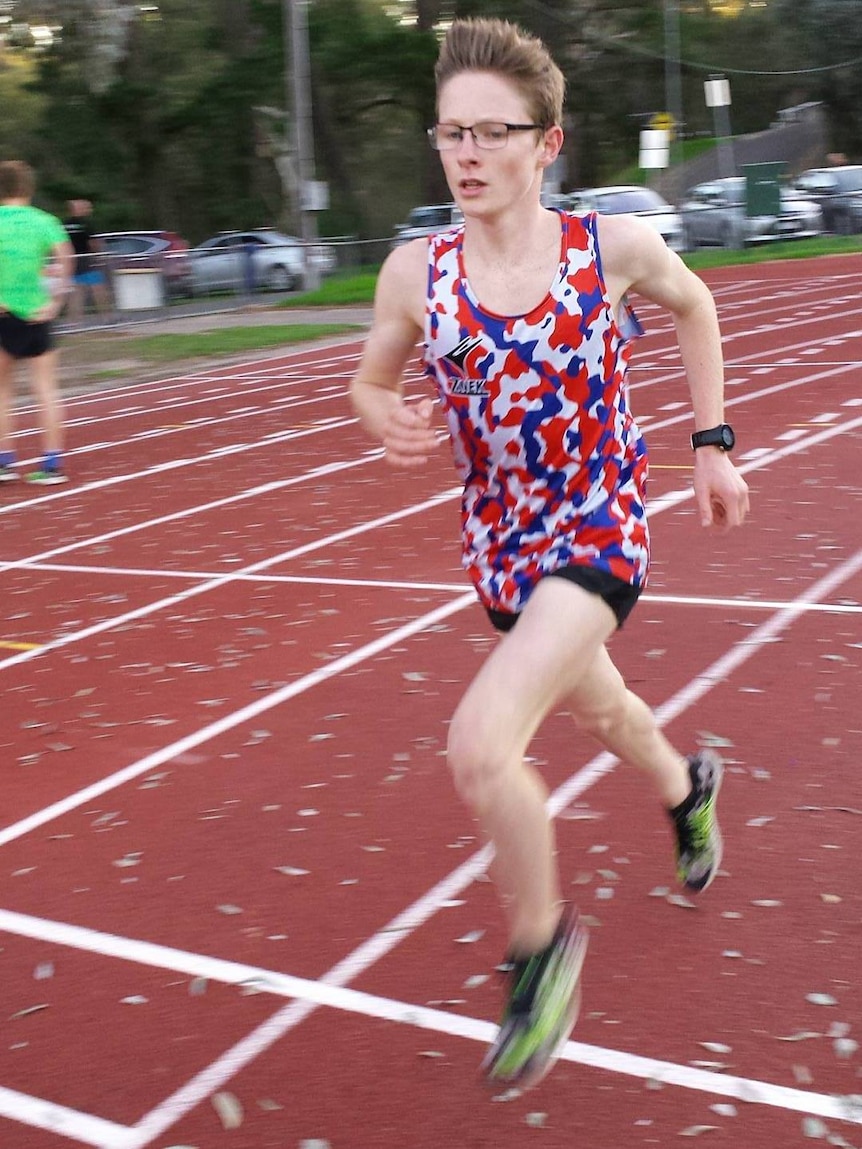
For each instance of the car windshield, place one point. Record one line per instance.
(733, 189)
(629, 200)
(430, 216)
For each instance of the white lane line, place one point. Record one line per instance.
(208, 1080)
(656, 506)
(230, 372)
(673, 498)
(259, 1040)
(322, 425)
(158, 432)
(222, 580)
(420, 587)
(229, 721)
(319, 993)
(65, 1122)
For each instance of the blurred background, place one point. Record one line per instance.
(183, 115)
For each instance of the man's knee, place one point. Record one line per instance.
(477, 765)
(606, 718)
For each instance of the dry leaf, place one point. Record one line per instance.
(228, 1109)
(473, 936)
(30, 1009)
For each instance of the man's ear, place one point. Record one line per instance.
(551, 145)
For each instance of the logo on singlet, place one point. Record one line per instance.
(466, 359)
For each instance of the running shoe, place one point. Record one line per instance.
(8, 474)
(48, 478)
(698, 838)
(542, 1008)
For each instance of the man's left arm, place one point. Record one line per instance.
(639, 260)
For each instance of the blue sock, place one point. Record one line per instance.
(7, 458)
(52, 461)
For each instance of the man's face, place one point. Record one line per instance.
(484, 181)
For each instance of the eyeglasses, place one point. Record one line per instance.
(489, 134)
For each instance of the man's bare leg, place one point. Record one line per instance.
(43, 381)
(533, 669)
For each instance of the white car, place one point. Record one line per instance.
(261, 260)
(632, 199)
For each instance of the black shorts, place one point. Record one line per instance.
(23, 340)
(620, 596)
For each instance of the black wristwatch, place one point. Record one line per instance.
(721, 436)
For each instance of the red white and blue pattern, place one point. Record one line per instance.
(553, 463)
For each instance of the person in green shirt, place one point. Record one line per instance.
(36, 266)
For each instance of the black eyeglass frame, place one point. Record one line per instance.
(463, 129)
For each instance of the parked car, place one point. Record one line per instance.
(714, 215)
(256, 260)
(838, 190)
(632, 199)
(427, 220)
(162, 250)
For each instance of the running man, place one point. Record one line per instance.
(36, 267)
(527, 335)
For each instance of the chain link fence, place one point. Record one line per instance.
(127, 287)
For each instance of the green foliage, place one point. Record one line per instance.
(22, 108)
(158, 120)
(227, 340)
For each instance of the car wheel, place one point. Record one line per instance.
(280, 278)
(843, 224)
(729, 239)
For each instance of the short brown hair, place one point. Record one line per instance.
(505, 49)
(17, 180)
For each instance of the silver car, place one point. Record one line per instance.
(714, 215)
(838, 190)
(428, 220)
(632, 199)
(261, 260)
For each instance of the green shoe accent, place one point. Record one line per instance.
(543, 1006)
(46, 478)
(699, 844)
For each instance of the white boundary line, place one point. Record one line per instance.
(448, 587)
(172, 1109)
(223, 580)
(655, 507)
(320, 993)
(230, 721)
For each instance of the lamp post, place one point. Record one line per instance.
(717, 94)
(295, 28)
(672, 82)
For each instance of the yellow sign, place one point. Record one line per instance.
(663, 122)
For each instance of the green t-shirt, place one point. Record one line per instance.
(27, 238)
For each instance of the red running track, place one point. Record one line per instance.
(242, 907)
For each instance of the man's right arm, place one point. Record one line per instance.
(377, 391)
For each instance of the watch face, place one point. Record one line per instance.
(727, 437)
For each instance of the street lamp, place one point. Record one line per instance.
(717, 94)
(672, 81)
(295, 28)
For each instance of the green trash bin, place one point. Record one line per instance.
(763, 188)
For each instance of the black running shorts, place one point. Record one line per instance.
(620, 596)
(23, 340)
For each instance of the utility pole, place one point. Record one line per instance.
(673, 85)
(298, 85)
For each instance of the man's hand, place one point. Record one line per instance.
(721, 492)
(408, 437)
(47, 312)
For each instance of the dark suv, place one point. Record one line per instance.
(162, 250)
(838, 190)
